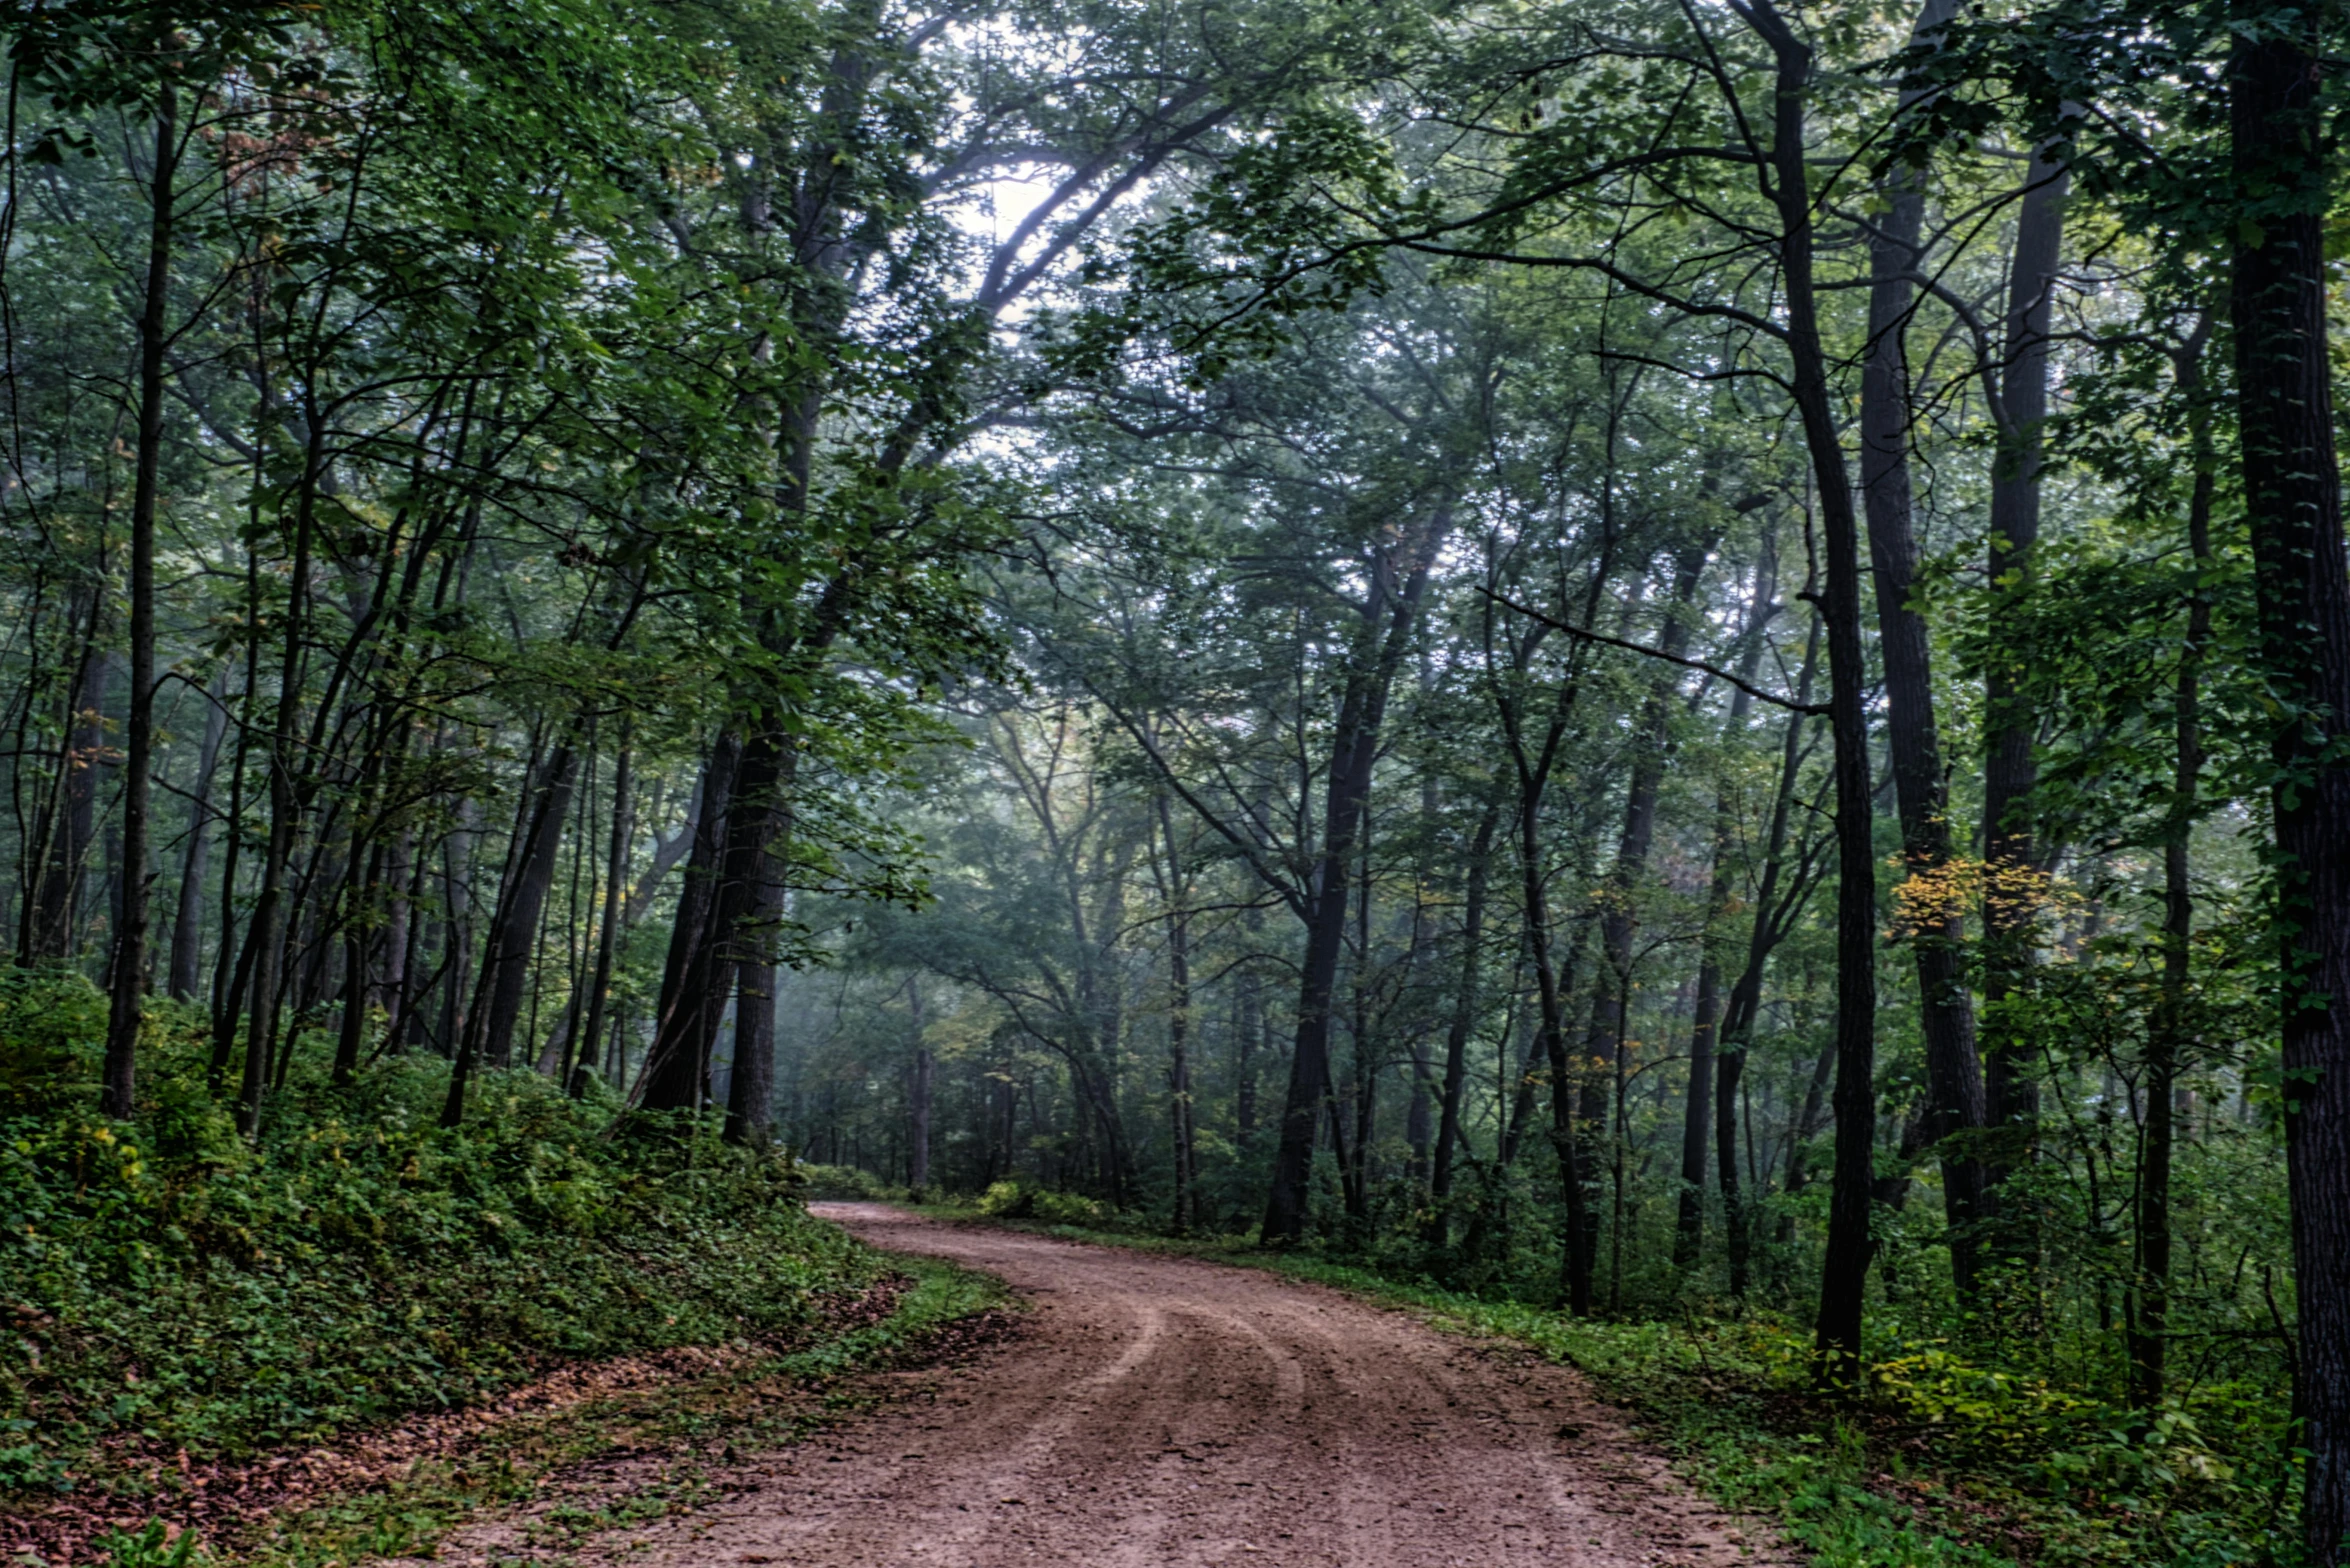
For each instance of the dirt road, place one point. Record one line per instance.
(1162, 1411)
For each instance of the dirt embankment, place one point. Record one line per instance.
(1162, 1411)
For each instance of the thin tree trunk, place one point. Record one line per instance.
(127, 1004)
(269, 927)
(918, 1102)
(1464, 1018)
(71, 819)
(2172, 1027)
(1697, 1118)
(1604, 1042)
(615, 885)
(1773, 916)
(186, 965)
(1179, 1102)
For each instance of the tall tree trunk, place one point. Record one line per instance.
(1464, 1018)
(126, 1006)
(1954, 1076)
(512, 948)
(2292, 491)
(1774, 915)
(918, 1101)
(232, 965)
(1604, 1042)
(1177, 892)
(55, 902)
(269, 925)
(2172, 1030)
(1387, 625)
(1250, 1030)
(1704, 1029)
(750, 1109)
(403, 878)
(2011, 900)
(1844, 1271)
(672, 1074)
(358, 921)
(615, 885)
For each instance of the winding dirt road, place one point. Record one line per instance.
(1160, 1411)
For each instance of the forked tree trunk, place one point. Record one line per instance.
(1387, 624)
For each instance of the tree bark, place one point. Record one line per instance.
(514, 929)
(615, 885)
(69, 819)
(1464, 1018)
(1954, 1075)
(1179, 1100)
(1387, 622)
(2292, 491)
(1844, 1271)
(1704, 1029)
(127, 1004)
(2172, 1029)
(2010, 858)
(918, 1100)
(1611, 998)
(672, 1074)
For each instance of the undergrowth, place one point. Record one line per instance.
(1946, 1461)
(169, 1287)
(676, 1437)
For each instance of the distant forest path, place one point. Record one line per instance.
(1159, 1410)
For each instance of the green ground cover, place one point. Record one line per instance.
(172, 1289)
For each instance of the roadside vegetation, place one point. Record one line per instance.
(1951, 1461)
(187, 1305)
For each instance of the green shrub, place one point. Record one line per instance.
(1011, 1200)
(165, 1282)
(847, 1184)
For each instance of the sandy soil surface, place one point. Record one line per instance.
(1162, 1411)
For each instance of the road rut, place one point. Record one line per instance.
(1158, 1410)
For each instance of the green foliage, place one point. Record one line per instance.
(169, 1286)
(845, 1183)
(1025, 1201)
(47, 1017)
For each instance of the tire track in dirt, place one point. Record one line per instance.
(1166, 1411)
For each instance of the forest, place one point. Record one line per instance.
(1682, 663)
